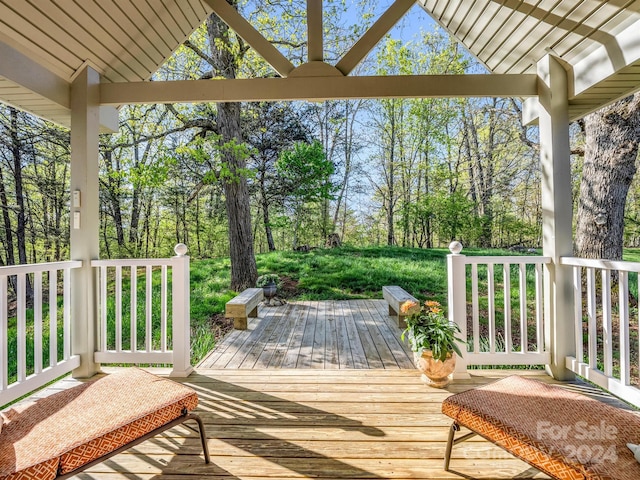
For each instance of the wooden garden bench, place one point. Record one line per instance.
(242, 306)
(60, 435)
(561, 433)
(395, 297)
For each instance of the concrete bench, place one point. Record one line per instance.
(242, 306)
(395, 297)
(60, 435)
(560, 432)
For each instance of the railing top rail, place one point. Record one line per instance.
(512, 259)
(39, 267)
(133, 262)
(601, 264)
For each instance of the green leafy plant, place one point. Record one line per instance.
(266, 279)
(429, 329)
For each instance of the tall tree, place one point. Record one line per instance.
(305, 172)
(16, 152)
(270, 128)
(612, 137)
(225, 58)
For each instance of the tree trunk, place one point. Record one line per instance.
(21, 224)
(244, 271)
(265, 214)
(611, 149)
(113, 188)
(391, 178)
(8, 232)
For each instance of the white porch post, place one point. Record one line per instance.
(85, 125)
(181, 315)
(557, 239)
(457, 303)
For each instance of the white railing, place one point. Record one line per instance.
(23, 337)
(505, 321)
(597, 310)
(156, 336)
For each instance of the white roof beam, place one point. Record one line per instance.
(315, 41)
(372, 36)
(249, 34)
(617, 53)
(318, 88)
(20, 69)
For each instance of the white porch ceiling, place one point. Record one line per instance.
(127, 40)
(124, 40)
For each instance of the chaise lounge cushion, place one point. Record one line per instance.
(565, 434)
(59, 433)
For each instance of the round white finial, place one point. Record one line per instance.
(455, 247)
(180, 249)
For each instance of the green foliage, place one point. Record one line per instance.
(306, 172)
(266, 279)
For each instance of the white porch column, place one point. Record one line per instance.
(85, 127)
(457, 303)
(181, 315)
(557, 238)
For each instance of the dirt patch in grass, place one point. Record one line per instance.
(288, 288)
(220, 326)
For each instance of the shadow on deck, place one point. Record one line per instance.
(323, 424)
(322, 390)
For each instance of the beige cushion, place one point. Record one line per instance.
(563, 433)
(69, 429)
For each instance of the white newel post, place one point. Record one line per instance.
(181, 313)
(457, 302)
(85, 129)
(557, 214)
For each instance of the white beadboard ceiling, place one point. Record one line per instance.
(127, 40)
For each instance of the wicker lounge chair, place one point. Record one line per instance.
(62, 434)
(562, 433)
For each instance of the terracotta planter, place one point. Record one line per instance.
(434, 372)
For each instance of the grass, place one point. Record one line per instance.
(321, 274)
(352, 273)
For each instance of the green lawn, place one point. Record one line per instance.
(321, 274)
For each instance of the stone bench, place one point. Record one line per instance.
(560, 432)
(242, 306)
(395, 297)
(60, 435)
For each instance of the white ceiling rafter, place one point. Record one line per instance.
(249, 34)
(128, 40)
(373, 35)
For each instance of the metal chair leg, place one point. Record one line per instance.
(447, 455)
(203, 437)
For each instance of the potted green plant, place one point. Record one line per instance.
(433, 339)
(269, 284)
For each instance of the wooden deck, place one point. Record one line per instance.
(321, 424)
(351, 406)
(340, 334)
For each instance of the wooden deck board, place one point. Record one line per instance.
(340, 399)
(335, 334)
(315, 423)
(293, 424)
